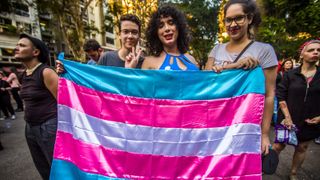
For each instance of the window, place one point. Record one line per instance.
(21, 9)
(4, 21)
(110, 40)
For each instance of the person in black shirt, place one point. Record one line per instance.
(299, 97)
(39, 92)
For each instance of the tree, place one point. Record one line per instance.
(142, 9)
(286, 24)
(69, 15)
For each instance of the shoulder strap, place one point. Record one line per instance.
(238, 57)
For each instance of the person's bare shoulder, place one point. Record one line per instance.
(150, 62)
(192, 59)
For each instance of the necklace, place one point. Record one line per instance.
(30, 71)
(309, 74)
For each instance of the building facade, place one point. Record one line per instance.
(27, 19)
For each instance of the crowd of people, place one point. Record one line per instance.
(168, 40)
(10, 85)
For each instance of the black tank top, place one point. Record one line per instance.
(40, 104)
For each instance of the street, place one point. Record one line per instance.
(16, 162)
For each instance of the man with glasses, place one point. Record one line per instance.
(130, 28)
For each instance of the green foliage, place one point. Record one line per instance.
(90, 28)
(112, 18)
(287, 23)
(10, 29)
(69, 18)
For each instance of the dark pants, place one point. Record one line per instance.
(16, 97)
(41, 139)
(5, 105)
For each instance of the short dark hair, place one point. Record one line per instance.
(251, 9)
(40, 45)
(91, 44)
(130, 17)
(153, 42)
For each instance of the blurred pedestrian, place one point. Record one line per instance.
(285, 67)
(299, 96)
(93, 50)
(5, 103)
(15, 88)
(39, 92)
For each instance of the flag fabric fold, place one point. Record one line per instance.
(117, 123)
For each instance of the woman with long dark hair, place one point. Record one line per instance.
(241, 18)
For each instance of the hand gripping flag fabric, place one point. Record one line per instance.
(117, 123)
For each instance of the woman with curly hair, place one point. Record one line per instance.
(167, 41)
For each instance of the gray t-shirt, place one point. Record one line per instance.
(263, 52)
(112, 58)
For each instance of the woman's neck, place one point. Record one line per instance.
(31, 64)
(308, 67)
(238, 45)
(172, 50)
(243, 40)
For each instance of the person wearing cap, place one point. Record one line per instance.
(39, 92)
(299, 96)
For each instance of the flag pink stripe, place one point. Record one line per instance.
(162, 112)
(114, 163)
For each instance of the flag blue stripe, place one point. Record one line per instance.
(160, 84)
(64, 170)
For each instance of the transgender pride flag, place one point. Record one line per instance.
(117, 123)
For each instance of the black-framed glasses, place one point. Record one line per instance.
(238, 20)
(127, 32)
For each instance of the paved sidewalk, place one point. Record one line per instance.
(16, 162)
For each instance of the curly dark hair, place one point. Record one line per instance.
(251, 9)
(91, 44)
(154, 44)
